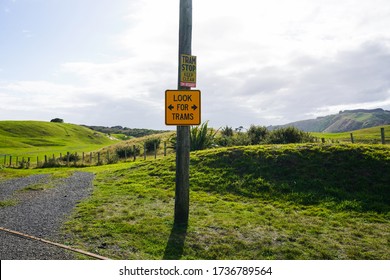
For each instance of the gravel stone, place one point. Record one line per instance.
(39, 213)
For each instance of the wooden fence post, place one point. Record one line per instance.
(10, 161)
(383, 135)
(352, 140)
(155, 150)
(67, 158)
(165, 148)
(134, 153)
(144, 151)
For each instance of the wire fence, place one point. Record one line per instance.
(83, 159)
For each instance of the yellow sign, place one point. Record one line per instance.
(187, 70)
(182, 107)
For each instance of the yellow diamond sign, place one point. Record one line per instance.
(182, 107)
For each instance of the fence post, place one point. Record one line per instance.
(352, 140)
(83, 159)
(67, 158)
(323, 140)
(383, 135)
(37, 161)
(10, 161)
(165, 148)
(90, 158)
(28, 163)
(155, 150)
(144, 151)
(134, 152)
(5, 159)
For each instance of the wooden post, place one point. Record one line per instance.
(134, 153)
(90, 158)
(144, 151)
(155, 150)
(182, 197)
(383, 135)
(165, 148)
(67, 158)
(352, 140)
(10, 160)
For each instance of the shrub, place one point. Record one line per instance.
(123, 152)
(57, 120)
(150, 143)
(288, 135)
(201, 137)
(257, 134)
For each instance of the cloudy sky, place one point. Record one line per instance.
(262, 62)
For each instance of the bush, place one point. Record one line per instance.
(150, 143)
(257, 134)
(57, 120)
(287, 135)
(72, 158)
(123, 152)
(201, 137)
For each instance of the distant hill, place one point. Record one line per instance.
(133, 132)
(347, 120)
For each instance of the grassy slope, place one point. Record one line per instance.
(367, 135)
(259, 202)
(37, 138)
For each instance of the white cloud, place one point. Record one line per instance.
(259, 62)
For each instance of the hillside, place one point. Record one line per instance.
(35, 136)
(305, 201)
(347, 120)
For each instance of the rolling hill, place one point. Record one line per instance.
(37, 136)
(347, 120)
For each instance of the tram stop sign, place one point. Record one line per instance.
(187, 70)
(182, 107)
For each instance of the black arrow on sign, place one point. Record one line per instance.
(170, 107)
(194, 107)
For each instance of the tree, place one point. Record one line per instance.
(257, 134)
(57, 120)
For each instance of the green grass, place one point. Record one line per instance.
(260, 202)
(303, 201)
(368, 135)
(35, 138)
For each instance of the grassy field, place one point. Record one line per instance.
(259, 202)
(303, 201)
(34, 138)
(369, 135)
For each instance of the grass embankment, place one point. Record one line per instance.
(36, 138)
(260, 202)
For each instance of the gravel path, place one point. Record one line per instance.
(39, 213)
